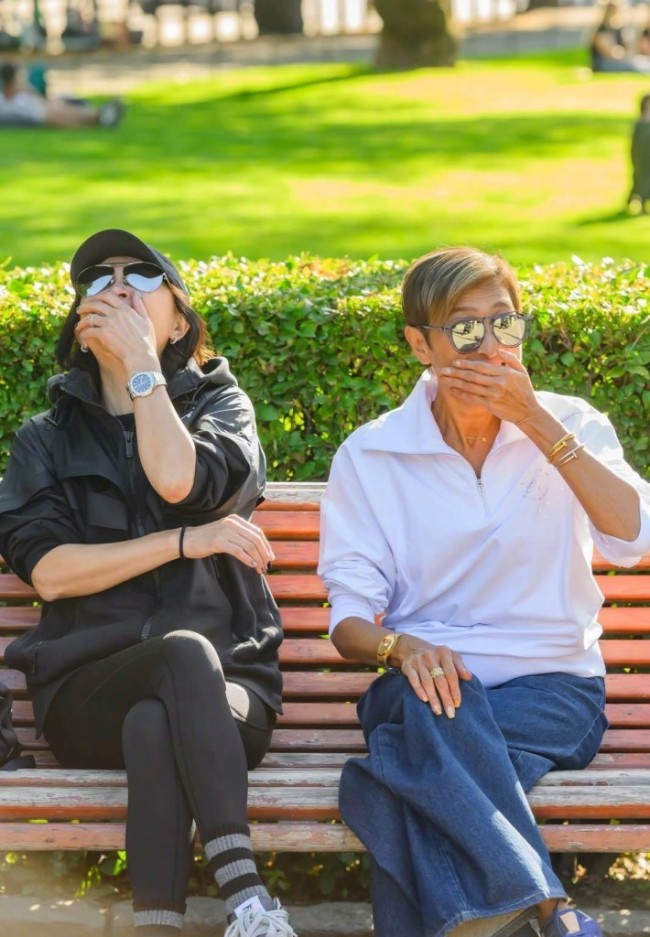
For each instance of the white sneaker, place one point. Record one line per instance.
(274, 923)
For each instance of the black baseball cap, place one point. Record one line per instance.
(114, 242)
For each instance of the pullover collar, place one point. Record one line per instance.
(412, 430)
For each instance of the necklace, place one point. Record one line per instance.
(475, 439)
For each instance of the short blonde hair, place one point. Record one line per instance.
(433, 284)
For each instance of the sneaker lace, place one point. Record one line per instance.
(274, 923)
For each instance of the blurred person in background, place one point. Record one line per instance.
(22, 104)
(640, 153)
(612, 44)
(643, 47)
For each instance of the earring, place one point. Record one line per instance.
(84, 348)
(172, 341)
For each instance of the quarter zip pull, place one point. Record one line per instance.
(481, 491)
(128, 443)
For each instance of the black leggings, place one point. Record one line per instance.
(163, 710)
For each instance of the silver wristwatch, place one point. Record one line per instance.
(143, 383)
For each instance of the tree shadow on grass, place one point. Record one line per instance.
(613, 217)
(352, 73)
(197, 136)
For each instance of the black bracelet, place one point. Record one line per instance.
(181, 554)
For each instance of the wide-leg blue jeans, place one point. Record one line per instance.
(440, 803)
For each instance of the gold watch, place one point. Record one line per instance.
(386, 647)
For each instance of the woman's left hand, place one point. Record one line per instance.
(503, 388)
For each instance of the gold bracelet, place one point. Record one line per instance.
(559, 446)
(386, 647)
(570, 455)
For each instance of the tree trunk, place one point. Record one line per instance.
(278, 17)
(415, 35)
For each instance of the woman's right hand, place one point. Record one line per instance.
(419, 661)
(233, 535)
(118, 325)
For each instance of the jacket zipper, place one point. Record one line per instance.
(129, 448)
(130, 452)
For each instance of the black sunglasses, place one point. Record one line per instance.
(466, 335)
(141, 275)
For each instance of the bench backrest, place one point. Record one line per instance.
(320, 689)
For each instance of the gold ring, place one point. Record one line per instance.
(437, 672)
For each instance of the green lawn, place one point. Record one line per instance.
(526, 155)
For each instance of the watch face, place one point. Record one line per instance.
(141, 383)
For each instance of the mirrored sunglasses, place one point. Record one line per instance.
(466, 335)
(141, 275)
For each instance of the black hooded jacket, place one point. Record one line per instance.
(74, 476)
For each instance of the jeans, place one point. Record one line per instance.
(440, 803)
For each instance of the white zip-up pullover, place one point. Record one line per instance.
(496, 568)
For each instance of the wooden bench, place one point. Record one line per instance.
(293, 795)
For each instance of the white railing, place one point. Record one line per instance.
(235, 20)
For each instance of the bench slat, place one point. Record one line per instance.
(308, 837)
(620, 715)
(289, 525)
(309, 587)
(312, 803)
(322, 653)
(299, 685)
(312, 619)
(300, 776)
(307, 618)
(351, 740)
(297, 760)
(622, 620)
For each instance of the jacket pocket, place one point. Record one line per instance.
(106, 517)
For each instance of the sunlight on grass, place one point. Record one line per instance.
(526, 155)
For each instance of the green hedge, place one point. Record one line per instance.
(318, 345)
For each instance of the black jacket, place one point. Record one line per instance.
(74, 476)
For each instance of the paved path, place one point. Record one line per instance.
(29, 917)
(110, 72)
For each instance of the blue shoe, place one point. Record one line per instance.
(569, 922)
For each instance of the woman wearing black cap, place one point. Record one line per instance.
(127, 505)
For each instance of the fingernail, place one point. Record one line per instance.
(451, 712)
(445, 370)
(438, 712)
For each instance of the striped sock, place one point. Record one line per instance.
(157, 923)
(155, 930)
(230, 860)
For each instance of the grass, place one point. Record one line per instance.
(528, 155)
